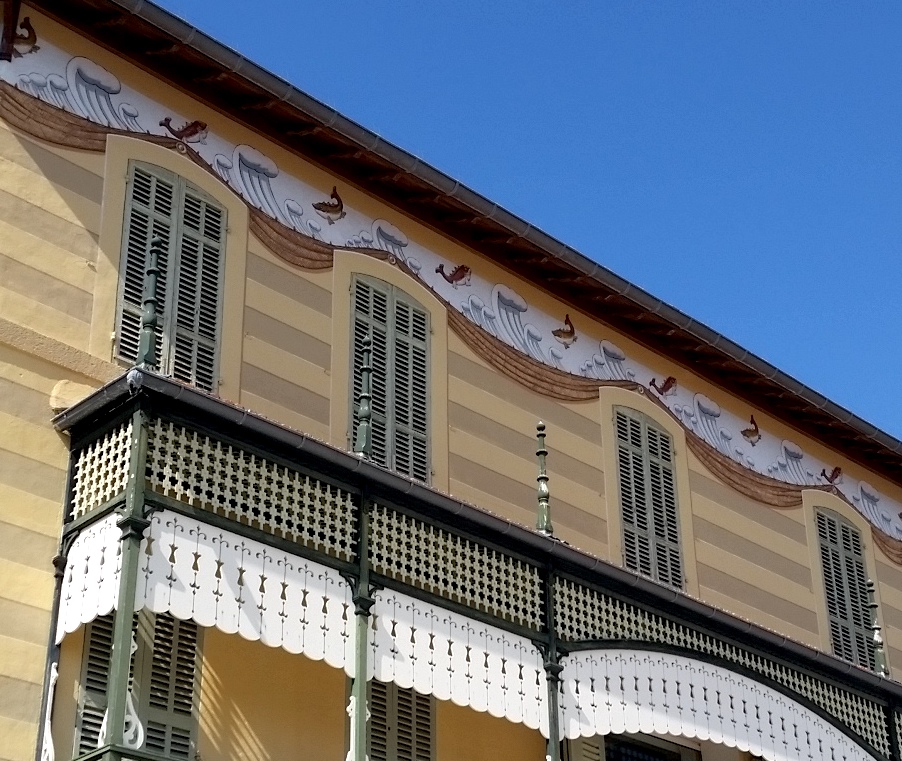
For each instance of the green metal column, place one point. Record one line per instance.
(363, 602)
(132, 524)
(553, 670)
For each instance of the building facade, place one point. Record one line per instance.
(268, 471)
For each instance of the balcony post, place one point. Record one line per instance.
(363, 603)
(122, 726)
(553, 669)
(147, 344)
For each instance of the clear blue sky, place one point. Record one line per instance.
(741, 161)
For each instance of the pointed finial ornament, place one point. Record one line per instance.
(543, 520)
(147, 345)
(363, 440)
(879, 654)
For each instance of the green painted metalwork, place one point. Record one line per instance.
(363, 603)
(363, 441)
(543, 520)
(879, 654)
(147, 346)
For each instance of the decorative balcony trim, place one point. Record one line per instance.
(620, 690)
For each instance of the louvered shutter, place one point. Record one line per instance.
(583, 749)
(648, 504)
(189, 285)
(401, 726)
(845, 588)
(164, 673)
(94, 674)
(400, 378)
(150, 210)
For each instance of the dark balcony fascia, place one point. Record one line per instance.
(167, 398)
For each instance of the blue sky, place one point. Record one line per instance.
(741, 161)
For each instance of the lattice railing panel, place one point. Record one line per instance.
(101, 470)
(455, 568)
(584, 614)
(201, 471)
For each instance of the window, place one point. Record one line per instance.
(400, 379)
(192, 226)
(648, 502)
(626, 748)
(845, 586)
(402, 724)
(164, 678)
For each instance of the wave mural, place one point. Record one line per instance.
(319, 223)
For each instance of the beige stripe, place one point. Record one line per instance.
(895, 660)
(892, 616)
(19, 700)
(26, 547)
(37, 221)
(24, 622)
(287, 310)
(522, 495)
(520, 445)
(35, 189)
(22, 660)
(24, 403)
(287, 339)
(27, 249)
(22, 508)
(33, 441)
(776, 520)
(43, 319)
(738, 608)
(285, 393)
(55, 168)
(31, 476)
(19, 739)
(750, 595)
(552, 413)
(32, 587)
(285, 416)
(294, 286)
(287, 366)
(46, 289)
(753, 552)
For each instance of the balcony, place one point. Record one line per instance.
(301, 565)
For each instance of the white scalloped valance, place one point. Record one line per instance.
(91, 578)
(194, 570)
(450, 656)
(617, 691)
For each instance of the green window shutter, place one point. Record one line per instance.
(94, 674)
(189, 286)
(400, 379)
(648, 503)
(401, 725)
(845, 589)
(164, 679)
(584, 749)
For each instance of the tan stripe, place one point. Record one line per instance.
(35, 189)
(31, 476)
(522, 495)
(286, 338)
(287, 310)
(775, 520)
(55, 168)
(29, 312)
(552, 413)
(739, 608)
(39, 222)
(46, 289)
(26, 547)
(27, 249)
(287, 366)
(24, 403)
(895, 660)
(24, 622)
(285, 393)
(753, 552)
(520, 445)
(748, 594)
(892, 616)
(32, 587)
(19, 700)
(19, 738)
(28, 510)
(33, 441)
(294, 286)
(286, 416)
(22, 660)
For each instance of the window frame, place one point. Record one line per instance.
(169, 331)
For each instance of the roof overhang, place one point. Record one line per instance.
(191, 61)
